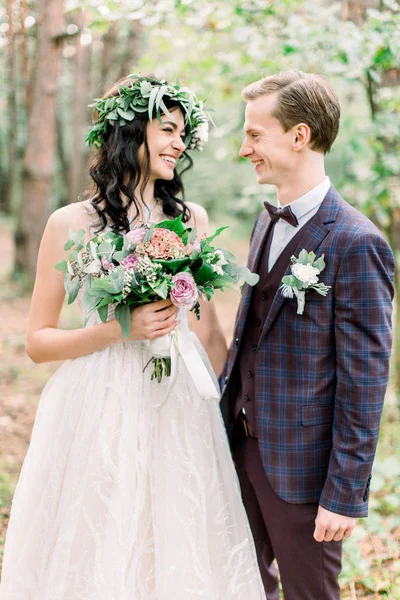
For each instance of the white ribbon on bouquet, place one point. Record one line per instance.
(179, 344)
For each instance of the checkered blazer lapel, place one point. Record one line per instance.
(256, 247)
(313, 236)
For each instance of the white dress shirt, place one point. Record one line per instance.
(304, 208)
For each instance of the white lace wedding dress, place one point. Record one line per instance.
(119, 500)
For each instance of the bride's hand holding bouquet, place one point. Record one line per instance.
(154, 269)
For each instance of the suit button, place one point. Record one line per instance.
(249, 375)
(258, 322)
(254, 347)
(226, 380)
(237, 342)
(246, 398)
(263, 296)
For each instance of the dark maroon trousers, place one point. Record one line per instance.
(308, 569)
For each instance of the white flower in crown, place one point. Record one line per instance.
(199, 136)
(202, 132)
(305, 276)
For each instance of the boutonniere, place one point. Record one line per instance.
(305, 274)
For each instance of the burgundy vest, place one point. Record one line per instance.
(262, 297)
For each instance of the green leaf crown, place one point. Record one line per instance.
(147, 95)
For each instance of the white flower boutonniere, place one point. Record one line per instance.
(305, 272)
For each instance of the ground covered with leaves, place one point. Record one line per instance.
(371, 566)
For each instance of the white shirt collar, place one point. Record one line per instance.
(310, 200)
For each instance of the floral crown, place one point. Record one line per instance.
(148, 95)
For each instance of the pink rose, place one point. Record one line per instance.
(130, 261)
(185, 293)
(107, 265)
(135, 236)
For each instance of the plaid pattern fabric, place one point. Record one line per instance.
(321, 377)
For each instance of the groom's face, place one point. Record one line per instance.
(266, 143)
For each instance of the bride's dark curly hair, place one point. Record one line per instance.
(116, 171)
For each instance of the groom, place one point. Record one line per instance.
(303, 393)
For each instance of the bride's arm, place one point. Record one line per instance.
(45, 342)
(208, 328)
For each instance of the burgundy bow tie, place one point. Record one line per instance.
(284, 213)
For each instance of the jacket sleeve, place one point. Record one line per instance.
(363, 295)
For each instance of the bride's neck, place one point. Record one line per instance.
(145, 200)
(145, 196)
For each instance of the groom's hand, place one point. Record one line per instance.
(331, 526)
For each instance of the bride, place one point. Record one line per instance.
(119, 499)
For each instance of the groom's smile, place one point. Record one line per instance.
(266, 143)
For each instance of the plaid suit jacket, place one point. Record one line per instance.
(321, 377)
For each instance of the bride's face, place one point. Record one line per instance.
(166, 144)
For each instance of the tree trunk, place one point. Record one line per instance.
(131, 52)
(107, 56)
(6, 200)
(79, 119)
(63, 164)
(25, 54)
(38, 165)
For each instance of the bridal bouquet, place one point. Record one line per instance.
(146, 264)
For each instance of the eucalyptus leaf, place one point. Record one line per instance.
(311, 257)
(89, 299)
(192, 235)
(62, 266)
(72, 286)
(303, 257)
(88, 315)
(232, 269)
(161, 91)
(119, 256)
(123, 316)
(103, 312)
(162, 290)
(247, 276)
(93, 267)
(145, 88)
(105, 249)
(128, 115)
(292, 281)
(228, 255)
(112, 283)
(319, 263)
(80, 238)
(152, 100)
(220, 284)
(69, 244)
(93, 249)
(148, 235)
(164, 108)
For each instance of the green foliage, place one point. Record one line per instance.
(147, 95)
(371, 556)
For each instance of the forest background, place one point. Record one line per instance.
(56, 56)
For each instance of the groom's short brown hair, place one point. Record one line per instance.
(302, 98)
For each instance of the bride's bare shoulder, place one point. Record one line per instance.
(198, 218)
(78, 215)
